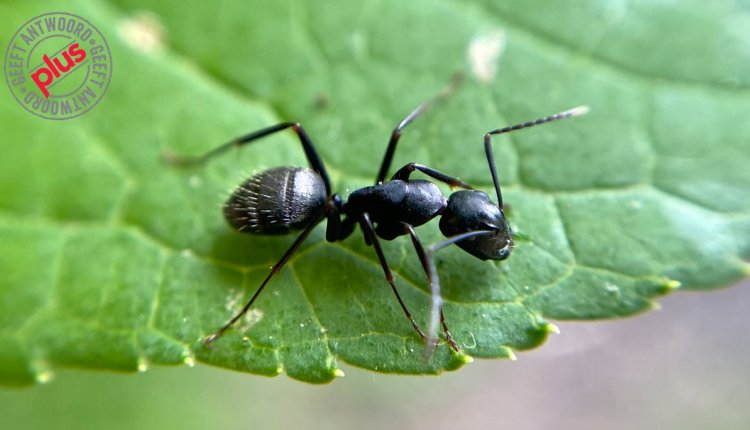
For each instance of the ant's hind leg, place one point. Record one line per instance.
(313, 158)
(276, 268)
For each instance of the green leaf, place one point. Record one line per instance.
(111, 259)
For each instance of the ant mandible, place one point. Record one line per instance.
(282, 199)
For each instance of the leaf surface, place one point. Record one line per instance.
(111, 259)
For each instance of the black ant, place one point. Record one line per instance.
(282, 199)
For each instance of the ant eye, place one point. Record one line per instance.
(504, 253)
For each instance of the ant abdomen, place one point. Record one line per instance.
(276, 201)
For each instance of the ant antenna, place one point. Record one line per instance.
(576, 111)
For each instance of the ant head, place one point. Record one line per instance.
(471, 210)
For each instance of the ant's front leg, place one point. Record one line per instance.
(404, 173)
(371, 238)
(419, 110)
(428, 265)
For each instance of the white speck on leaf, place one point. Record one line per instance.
(473, 342)
(635, 204)
(44, 377)
(189, 360)
(233, 300)
(358, 43)
(195, 181)
(252, 317)
(43, 372)
(143, 31)
(142, 364)
(484, 52)
(612, 288)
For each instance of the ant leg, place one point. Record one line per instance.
(422, 108)
(423, 258)
(428, 264)
(404, 172)
(312, 155)
(369, 232)
(576, 111)
(276, 268)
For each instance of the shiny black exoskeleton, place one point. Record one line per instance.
(394, 203)
(283, 199)
(469, 210)
(276, 201)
